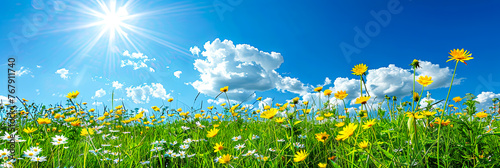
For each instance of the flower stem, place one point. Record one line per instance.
(445, 103)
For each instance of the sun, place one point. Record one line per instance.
(114, 20)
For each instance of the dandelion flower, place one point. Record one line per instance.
(300, 156)
(224, 89)
(460, 55)
(363, 144)
(72, 95)
(340, 124)
(322, 165)
(359, 69)
(212, 132)
(327, 92)
(269, 114)
(369, 124)
(87, 131)
(481, 115)
(226, 158)
(322, 136)
(218, 147)
(425, 80)
(362, 100)
(29, 130)
(43, 121)
(346, 132)
(457, 99)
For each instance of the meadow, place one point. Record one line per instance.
(296, 133)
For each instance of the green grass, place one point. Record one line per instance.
(464, 142)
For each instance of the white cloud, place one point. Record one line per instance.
(97, 103)
(151, 69)
(243, 68)
(37, 91)
(485, 100)
(140, 94)
(63, 73)
(4, 99)
(195, 50)
(38, 66)
(22, 71)
(99, 93)
(141, 63)
(136, 55)
(178, 74)
(117, 85)
(391, 81)
(327, 81)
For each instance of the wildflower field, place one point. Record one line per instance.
(297, 133)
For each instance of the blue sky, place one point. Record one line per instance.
(288, 47)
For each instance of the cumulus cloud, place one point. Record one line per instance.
(151, 69)
(22, 71)
(485, 100)
(243, 68)
(178, 74)
(38, 66)
(117, 85)
(140, 63)
(195, 50)
(99, 93)
(391, 81)
(141, 94)
(63, 73)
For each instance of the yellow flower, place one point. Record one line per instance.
(359, 69)
(280, 120)
(346, 132)
(212, 132)
(87, 131)
(215, 118)
(460, 55)
(416, 97)
(295, 100)
(269, 114)
(170, 100)
(259, 99)
(327, 92)
(318, 89)
(320, 118)
(179, 109)
(457, 99)
(223, 104)
(218, 147)
(76, 123)
(300, 156)
(155, 108)
(328, 114)
(224, 89)
(72, 95)
(369, 124)
(428, 113)
(226, 158)
(425, 80)
(481, 115)
(340, 124)
(305, 102)
(362, 100)
(119, 107)
(197, 116)
(341, 117)
(322, 165)
(363, 145)
(43, 121)
(322, 136)
(29, 130)
(99, 118)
